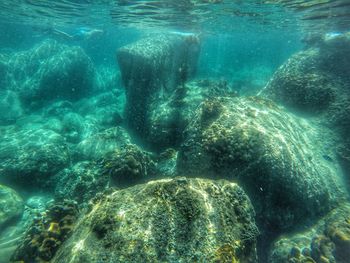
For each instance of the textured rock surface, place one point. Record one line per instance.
(80, 182)
(316, 81)
(46, 233)
(128, 165)
(50, 71)
(98, 145)
(179, 220)
(151, 69)
(11, 205)
(29, 157)
(275, 155)
(170, 116)
(326, 241)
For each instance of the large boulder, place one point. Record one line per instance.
(29, 157)
(280, 159)
(316, 81)
(179, 220)
(50, 71)
(11, 206)
(326, 241)
(151, 69)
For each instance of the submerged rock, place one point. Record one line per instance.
(29, 157)
(50, 71)
(179, 220)
(11, 206)
(326, 241)
(10, 107)
(170, 116)
(151, 69)
(274, 154)
(98, 145)
(315, 81)
(128, 165)
(80, 182)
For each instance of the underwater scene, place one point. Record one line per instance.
(208, 131)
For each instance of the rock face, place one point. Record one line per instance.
(11, 205)
(29, 157)
(151, 69)
(49, 71)
(326, 241)
(275, 156)
(179, 220)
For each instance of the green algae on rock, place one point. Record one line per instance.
(326, 241)
(11, 206)
(170, 220)
(271, 153)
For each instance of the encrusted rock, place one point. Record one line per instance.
(275, 155)
(128, 165)
(326, 241)
(179, 220)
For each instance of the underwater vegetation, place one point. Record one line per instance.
(151, 164)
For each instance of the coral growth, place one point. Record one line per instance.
(46, 234)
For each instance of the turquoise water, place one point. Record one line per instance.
(174, 131)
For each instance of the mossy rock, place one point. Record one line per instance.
(274, 154)
(170, 220)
